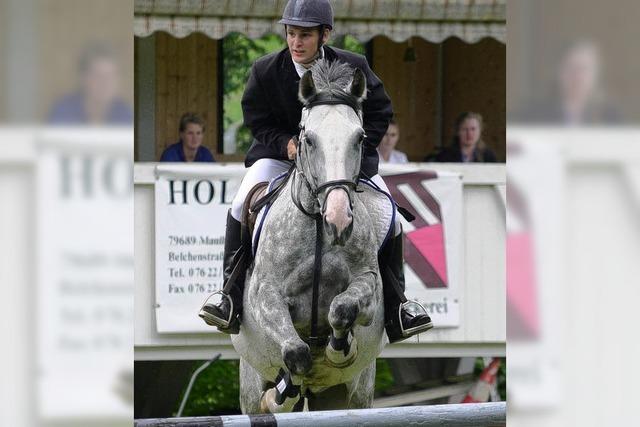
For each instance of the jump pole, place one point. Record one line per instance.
(468, 414)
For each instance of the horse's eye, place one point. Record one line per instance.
(308, 141)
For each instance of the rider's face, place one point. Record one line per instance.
(303, 42)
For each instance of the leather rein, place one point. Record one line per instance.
(331, 97)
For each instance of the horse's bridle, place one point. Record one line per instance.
(329, 97)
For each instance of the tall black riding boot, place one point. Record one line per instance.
(226, 313)
(402, 318)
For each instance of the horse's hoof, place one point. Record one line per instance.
(297, 357)
(337, 358)
(343, 312)
(268, 403)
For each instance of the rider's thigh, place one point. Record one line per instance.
(261, 170)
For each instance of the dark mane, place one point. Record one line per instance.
(329, 76)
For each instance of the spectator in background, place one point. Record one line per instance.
(96, 100)
(467, 145)
(578, 96)
(189, 148)
(386, 149)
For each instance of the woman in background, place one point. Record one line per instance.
(386, 149)
(467, 145)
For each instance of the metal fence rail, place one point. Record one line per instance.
(470, 414)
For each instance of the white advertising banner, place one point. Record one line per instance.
(434, 241)
(84, 297)
(535, 266)
(191, 204)
(191, 207)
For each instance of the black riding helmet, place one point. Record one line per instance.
(308, 13)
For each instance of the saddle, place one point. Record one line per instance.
(249, 216)
(262, 195)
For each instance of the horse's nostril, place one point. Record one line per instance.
(349, 229)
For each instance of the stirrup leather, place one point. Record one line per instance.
(214, 320)
(412, 307)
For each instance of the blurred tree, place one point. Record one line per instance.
(384, 376)
(216, 391)
(349, 43)
(239, 53)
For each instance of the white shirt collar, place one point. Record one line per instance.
(300, 68)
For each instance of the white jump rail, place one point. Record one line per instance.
(469, 414)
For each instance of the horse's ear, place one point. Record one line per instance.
(359, 85)
(307, 88)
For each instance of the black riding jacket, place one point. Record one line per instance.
(272, 110)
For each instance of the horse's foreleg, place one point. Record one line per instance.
(273, 315)
(251, 388)
(355, 305)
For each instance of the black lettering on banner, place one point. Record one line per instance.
(196, 192)
(109, 178)
(223, 193)
(85, 175)
(173, 191)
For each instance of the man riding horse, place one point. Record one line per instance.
(272, 112)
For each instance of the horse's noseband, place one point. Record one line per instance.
(343, 184)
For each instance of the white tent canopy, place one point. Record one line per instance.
(433, 20)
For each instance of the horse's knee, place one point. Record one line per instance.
(343, 312)
(297, 357)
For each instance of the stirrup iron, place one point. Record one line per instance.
(214, 320)
(413, 308)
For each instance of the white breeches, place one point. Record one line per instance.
(261, 170)
(266, 170)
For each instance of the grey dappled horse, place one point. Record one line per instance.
(278, 293)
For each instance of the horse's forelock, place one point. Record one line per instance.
(334, 75)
